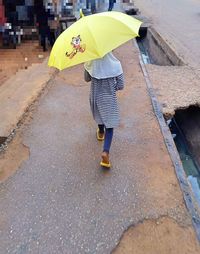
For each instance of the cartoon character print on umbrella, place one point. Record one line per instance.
(76, 47)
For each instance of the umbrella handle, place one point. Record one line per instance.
(81, 13)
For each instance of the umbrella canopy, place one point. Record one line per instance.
(92, 37)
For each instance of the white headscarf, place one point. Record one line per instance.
(106, 67)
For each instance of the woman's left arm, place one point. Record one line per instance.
(87, 76)
(120, 82)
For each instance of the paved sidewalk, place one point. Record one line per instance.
(61, 201)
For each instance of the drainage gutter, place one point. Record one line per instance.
(166, 48)
(190, 202)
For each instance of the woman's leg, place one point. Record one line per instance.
(108, 140)
(105, 162)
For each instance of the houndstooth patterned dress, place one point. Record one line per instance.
(103, 100)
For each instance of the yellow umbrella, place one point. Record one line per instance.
(92, 37)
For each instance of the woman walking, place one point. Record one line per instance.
(106, 77)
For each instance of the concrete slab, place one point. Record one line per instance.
(176, 86)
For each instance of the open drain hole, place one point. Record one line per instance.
(185, 129)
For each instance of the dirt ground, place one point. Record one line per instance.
(11, 159)
(12, 60)
(163, 236)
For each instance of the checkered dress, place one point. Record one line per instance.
(103, 100)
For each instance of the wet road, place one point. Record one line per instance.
(178, 22)
(60, 200)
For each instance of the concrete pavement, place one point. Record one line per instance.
(61, 201)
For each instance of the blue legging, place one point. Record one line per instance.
(108, 137)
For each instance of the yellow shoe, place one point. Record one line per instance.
(105, 160)
(100, 136)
